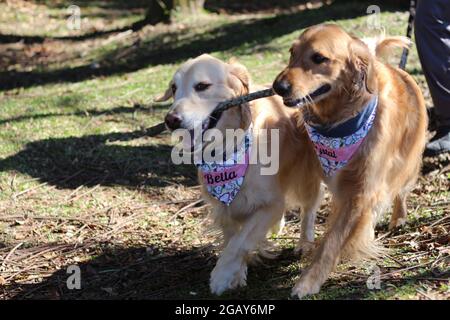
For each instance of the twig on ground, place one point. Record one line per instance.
(85, 193)
(193, 204)
(396, 261)
(386, 275)
(56, 218)
(10, 253)
(29, 190)
(424, 294)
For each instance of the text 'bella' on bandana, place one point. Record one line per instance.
(335, 151)
(224, 180)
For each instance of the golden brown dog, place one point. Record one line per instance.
(334, 77)
(197, 87)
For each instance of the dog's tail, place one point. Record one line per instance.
(382, 46)
(361, 244)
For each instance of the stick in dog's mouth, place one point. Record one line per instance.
(225, 105)
(309, 98)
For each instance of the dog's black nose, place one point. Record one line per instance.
(173, 120)
(282, 87)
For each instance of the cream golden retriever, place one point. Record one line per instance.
(345, 91)
(196, 88)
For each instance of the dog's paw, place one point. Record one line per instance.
(305, 287)
(227, 277)
(396, 223)
(304, 248)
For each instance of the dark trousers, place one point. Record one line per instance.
(432, 31)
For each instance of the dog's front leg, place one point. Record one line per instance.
(348, 217)
(309, 211)
(231, 268)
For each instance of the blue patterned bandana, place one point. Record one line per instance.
(336, 146)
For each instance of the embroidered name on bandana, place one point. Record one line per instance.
(334, 152)
(224, 180)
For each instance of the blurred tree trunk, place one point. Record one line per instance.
(161, 10)
(189, 6)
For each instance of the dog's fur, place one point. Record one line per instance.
(386, 165)
(262, 200)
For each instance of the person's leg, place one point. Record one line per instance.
(432, 31)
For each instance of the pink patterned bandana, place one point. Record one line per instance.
(336, 146)
(224, 180)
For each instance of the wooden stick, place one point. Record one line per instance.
(155, 130)
(227, 104)
(222, 106)
(186, 207)
(10, 254)
(28, 190)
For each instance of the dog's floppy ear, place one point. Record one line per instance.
(360, 63)
(239, 78)
(166, 95)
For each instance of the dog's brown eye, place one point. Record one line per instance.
(317, 58)
(202, 86)
(174, 88)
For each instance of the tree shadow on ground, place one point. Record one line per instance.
(100, 159)
(111, 9)
(214, 6)
(133, 273)
(106, 4)
(124, 273)
(248, 6)
(253, 32)
(10, 38)
(220, 6)
(91, 112)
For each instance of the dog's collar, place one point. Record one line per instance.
(335, 147)
(348, 127)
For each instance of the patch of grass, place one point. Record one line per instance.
(50, 18)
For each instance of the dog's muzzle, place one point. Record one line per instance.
(309, 98)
